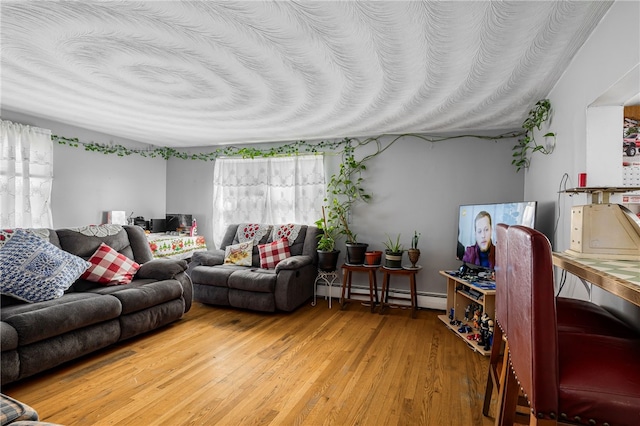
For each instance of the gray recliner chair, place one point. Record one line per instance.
(283, 288)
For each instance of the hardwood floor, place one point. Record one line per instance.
(314, 366)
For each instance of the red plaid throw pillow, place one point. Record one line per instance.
(272, 253)
(110, 267)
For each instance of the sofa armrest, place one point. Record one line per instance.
(161, 269)
(208, 258)
(293, 262)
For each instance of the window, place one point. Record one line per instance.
(26, 176)
(267, 190)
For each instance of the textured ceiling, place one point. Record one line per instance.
(203, 73)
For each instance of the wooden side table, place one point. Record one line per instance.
(386, 279)
(347, 270)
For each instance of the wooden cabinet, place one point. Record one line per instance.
(461, 294)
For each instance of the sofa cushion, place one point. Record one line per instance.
(161, 269)
(216, 276)
(272, 253)
(36, 322)
(35, 270)
(293, 263)
(44, 233)
(109, 267)
(142, 294)
(8, 337)
(239, 254)
(85, 241)
(258, 280)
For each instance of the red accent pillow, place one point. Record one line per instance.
(110, 267)
(272, 253)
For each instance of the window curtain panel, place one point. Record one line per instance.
(274, 190)
(26, 176)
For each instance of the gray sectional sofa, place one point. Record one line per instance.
(90, 316)
(282, 288)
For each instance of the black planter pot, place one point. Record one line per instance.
(355, 253)
(393, 259)
(328, 260)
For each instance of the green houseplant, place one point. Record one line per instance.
(393, 253)
(344, 189)
(538, 115)
(414, 252)
(326, 247)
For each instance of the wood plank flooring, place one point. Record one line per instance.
(315, 366)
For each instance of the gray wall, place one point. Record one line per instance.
(88, 184)
(416, 185)
(587, 82)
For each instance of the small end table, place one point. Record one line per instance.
(386, 279)
(347, 270)
(328, 278)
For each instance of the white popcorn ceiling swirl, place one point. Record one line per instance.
(187, 74)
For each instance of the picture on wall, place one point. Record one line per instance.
(631, 146)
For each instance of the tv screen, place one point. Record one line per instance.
(477, 229)
(174, 221)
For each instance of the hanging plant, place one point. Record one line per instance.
(537, 117)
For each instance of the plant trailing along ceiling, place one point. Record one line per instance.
(207, 73)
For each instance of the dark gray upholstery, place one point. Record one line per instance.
(284, 288)
(91, 316)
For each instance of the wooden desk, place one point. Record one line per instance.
(619, 277)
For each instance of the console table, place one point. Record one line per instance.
(175, 246)
(460, 293)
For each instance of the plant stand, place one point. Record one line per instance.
(328, 278)
(346, 285)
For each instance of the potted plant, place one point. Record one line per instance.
(414, 252)
(326, 247)
(343, 190)
(373, 258)
(393, 253)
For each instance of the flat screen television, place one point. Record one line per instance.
(174, 221)
(477, 230)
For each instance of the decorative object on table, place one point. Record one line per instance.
(414, 252)
(373, 258)
(194, 228)
(117, 217)
(393, 253)
(326, 247)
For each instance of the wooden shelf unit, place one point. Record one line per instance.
(458, 300)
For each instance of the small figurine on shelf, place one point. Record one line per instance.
(488, 341)
(467, 313)
(476, 317)
(484, 329)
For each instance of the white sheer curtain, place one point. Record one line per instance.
(26, 176)
(267, 190)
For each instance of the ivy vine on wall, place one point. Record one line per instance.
(537, 116)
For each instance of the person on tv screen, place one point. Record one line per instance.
(483, 252)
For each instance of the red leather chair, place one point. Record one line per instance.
(572, 316)
(567, 377)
